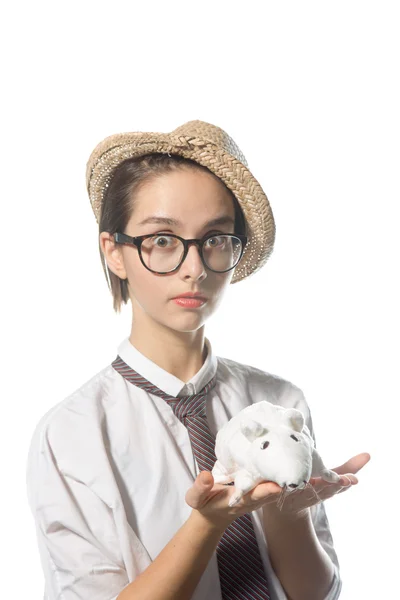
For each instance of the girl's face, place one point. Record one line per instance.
(192, 198)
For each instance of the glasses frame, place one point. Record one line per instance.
(122, 238)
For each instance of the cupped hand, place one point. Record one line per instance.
(297, 502)
(212, 499)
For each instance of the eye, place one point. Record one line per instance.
(165, 240)
(264, 445)
(294, 438)
(220, 241)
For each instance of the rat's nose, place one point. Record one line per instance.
(293, 485)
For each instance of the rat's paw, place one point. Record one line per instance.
(330, 476)
(220, 474)
(222, 479)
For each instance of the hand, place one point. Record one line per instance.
(297, 502)
(211, 500)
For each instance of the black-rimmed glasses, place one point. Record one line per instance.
(164, 253)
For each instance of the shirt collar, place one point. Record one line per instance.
(164, 380)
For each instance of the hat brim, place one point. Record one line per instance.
(237, 177)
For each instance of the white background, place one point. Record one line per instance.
(310, 92)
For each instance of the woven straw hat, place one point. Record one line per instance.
(209, 146)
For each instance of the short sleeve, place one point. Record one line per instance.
(76, 531)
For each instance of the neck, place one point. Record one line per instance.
(180, 353)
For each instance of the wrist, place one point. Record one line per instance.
(273, 517)
(204, 524)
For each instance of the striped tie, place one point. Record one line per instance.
(241, 571)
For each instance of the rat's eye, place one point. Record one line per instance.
(294, 438)
(264, 445)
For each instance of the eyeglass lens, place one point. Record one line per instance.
(163, 253)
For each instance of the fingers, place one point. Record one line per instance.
(326, 490)
(354, 464)
(348, 480)
(331, 489)
(205, 479)
(198, 493)
(263, 490)
(268, 492)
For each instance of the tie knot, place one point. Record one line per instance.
(189, 406)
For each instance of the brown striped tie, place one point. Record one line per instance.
(241, 571)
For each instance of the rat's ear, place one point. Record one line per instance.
(294, 418)
(252, 429)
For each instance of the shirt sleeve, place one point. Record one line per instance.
(76, 531)
(320, 519)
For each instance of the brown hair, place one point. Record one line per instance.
(118, 204)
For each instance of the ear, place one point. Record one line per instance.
(294, 418)
(252, 429)
(113, 256)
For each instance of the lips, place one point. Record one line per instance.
(191, 296)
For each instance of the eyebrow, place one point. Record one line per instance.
(223, 220)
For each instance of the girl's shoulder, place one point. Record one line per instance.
(260, 384)
(88, 400)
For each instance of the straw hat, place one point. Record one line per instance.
(211, 147)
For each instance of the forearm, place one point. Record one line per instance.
(176, 571)
(301, 564)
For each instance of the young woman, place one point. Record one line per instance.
(119, 473)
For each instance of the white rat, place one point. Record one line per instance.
(266, 442)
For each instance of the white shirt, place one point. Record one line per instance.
(109, 466)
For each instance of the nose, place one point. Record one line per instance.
(293, 485)
(194, 263)
(196, 250)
